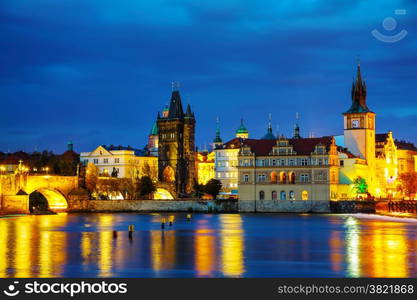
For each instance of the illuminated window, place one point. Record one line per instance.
(292, 195)
(283, 195)
(304, 195)
(274, 195)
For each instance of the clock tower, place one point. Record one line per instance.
(359, 123)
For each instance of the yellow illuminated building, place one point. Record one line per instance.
(126, 162)
(205, 166)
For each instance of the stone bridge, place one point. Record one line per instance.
(15, 190)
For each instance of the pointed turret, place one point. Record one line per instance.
(296, 132)
(217, 141)
(175, 106)
(269, 135)
(189, 113)
(358, 94)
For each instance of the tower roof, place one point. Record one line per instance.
(217, 139)
(242, 128)
(189, 113)
(154, 130)
(269, 135)
(175, 106)
(358, 94)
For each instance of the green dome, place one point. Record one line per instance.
(242, 128)
(154, 130)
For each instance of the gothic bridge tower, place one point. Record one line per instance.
(176, 151)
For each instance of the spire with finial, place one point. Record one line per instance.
(242, 132)
(358, 92)
(297, 127)
(175, 105)
(217, 141)
(269, 134)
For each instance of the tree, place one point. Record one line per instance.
(408, 183)
(146, 187)
(199, 189)
(360, 185)
(213, 187)
(91, 177)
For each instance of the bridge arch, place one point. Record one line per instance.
(56, 200)
(162, 194)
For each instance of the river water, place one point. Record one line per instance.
(210, 245)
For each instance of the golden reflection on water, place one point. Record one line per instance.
(232, 245)
(163, 248)
(4, 241)
(30, 249)
(375, 249)
(40, 246)
(205, 250)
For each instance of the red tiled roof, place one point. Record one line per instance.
(303, 146)
(346, 151)
(405, 145)
(260, 147)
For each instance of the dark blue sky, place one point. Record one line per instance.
(97, 71)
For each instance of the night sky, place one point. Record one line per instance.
(97, 71)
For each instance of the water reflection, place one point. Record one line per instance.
(208, 246)
(377, 249)
(232, 245)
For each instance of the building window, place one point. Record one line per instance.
(274, 162)
(320, 161)
(116, 160)
(282, 162)
(292, 195)
(291, 162)
(274, 177)
(105, 160)
(304, 177)
(95, 160)
(261, 195)
(304, 162)
(283, 195)
(304, 195)
(292, 177)
(274, 195)
(261, 177)
(85, 161)
(283, 177)
(246, 178)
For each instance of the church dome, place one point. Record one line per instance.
(242, 128)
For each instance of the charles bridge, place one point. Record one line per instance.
(15, 191)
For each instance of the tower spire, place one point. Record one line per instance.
(358, 92)
(175, 107)
(269, 134)
(217, 140)
(297, 127)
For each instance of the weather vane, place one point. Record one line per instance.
(175, 85)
